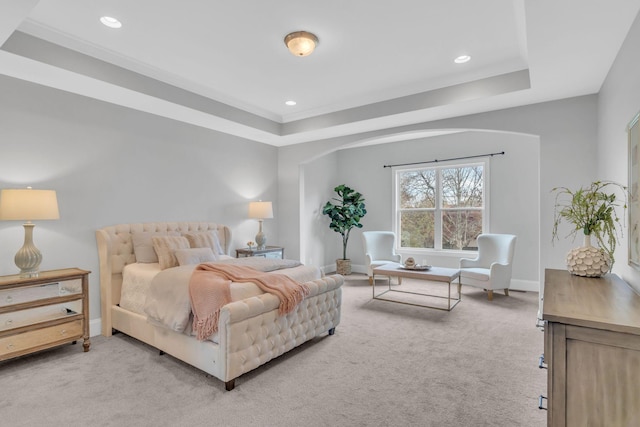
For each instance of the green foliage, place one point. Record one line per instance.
(592, 211)
(345, 214)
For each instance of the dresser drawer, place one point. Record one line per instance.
(26, 294)
(29, 316)
(40, 338)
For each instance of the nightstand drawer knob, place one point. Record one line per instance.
(63, 332)
(9, 346)
(9, 322)
(9, 298)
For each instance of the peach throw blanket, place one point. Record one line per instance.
(210, 289)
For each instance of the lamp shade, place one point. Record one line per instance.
(26, 204)
(260, 210)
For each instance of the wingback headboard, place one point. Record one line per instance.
(115, 251)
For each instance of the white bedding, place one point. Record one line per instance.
(138, 277)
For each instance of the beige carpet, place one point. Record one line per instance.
(387, 365)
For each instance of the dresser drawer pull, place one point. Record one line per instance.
(63, 332)
(540, 399)
(9, 298)
(541, 364)
(10, 346)
(9, 322)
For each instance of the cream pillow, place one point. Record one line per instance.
(194, 256)
(205, 239)
(166, 246)
(143, 245)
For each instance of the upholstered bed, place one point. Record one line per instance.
(250, 330)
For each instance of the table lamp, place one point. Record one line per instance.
(28, 205)
(260, 210)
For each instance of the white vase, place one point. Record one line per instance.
(587, 260)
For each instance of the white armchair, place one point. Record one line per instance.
(379, 249)
(491, 270)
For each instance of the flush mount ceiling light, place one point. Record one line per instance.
(111, 22)
(291, 103)
(301, 43)
(462, 59)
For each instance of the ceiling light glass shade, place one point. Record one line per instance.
(462, 59)
(301, 43)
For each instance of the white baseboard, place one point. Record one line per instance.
(95, 327)
(525, 285)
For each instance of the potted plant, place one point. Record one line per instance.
(592, 211)
(345, 214)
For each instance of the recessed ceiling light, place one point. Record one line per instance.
(290, 103)
(111, 22)
(462, 59)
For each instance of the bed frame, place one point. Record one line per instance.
(250, 331)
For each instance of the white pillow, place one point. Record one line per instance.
(194, 256)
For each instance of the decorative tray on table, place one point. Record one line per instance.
(417, 267)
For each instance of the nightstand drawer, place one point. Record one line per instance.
(40, 338)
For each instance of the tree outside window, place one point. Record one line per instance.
(440, 207)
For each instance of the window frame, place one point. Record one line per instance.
(396, 210)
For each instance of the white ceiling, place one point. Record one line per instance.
(223, 64)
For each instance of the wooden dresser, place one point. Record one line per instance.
(592, 350)
(43, 312)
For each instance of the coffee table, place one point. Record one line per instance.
(434, 274)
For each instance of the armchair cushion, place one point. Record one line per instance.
(479, 274)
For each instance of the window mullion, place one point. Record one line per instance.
(438, 212)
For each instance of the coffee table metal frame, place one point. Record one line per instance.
(434, 274)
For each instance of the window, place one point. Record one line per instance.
(440, 208)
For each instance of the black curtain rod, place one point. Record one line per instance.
(446, 160)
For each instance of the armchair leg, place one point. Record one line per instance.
(490, 295)
(370, 280)
(506, 292)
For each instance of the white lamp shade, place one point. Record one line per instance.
(27, 204)
(260, 210)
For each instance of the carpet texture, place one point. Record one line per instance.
(387, 365)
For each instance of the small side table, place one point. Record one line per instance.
(268, 252)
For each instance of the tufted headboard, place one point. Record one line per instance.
(115, 250)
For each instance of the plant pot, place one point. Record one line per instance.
(587, 260)
(343, 266)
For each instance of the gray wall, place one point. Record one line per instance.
(619, 102)
(317, 176)
(112, 165)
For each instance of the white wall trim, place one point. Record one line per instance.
(95, 327)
